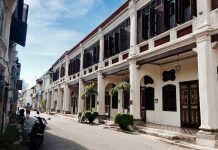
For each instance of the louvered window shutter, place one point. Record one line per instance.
(166, 14)
(145, 21)
(178, 10)
(152, 18)
(193, 8)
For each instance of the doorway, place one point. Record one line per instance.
(74, 103)
(107, 104)
(189, 104)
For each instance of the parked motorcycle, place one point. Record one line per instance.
(35, 137)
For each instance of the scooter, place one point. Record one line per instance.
(35, 137)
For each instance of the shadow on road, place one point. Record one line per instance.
(54, 142)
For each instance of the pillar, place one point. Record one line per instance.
(133, 27)
(48, 100)
(66, 65)
(52, 100)
(59, 99)
(134, 91)
(81, 91)
(208, 87)
(203, 9)
(66, 99)
(101, 51)
(81, 59)
(120, 101)
(101, 95)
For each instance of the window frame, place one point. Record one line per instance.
(169, 99)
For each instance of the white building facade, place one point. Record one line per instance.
(166, 49)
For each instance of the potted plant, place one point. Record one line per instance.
(89, 91)
(124, 85)
(124, 120)
(90, 115)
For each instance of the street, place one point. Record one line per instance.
(65, 134)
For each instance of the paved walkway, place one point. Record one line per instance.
(169, 132)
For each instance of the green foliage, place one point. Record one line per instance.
(113, 90)
(9, 137)
(122, 85)
(89, 91)
(91, 115)
(123, 120)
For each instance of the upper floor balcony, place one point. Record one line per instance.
(159, 24)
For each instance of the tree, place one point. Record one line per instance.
(42, 104)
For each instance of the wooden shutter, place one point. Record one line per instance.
(149, 98)
(117, 46)
(93, 101)
(139, 26)
(193, 5)
(169, 97)
(94, 54)
(152, 26)
(178, 11)
(69, 68)
(166, 14)
(122, 34)
(145, 21)
(105, 47)
(77, 67)
(111, 45)
(89, 59)
(84, 60)
(214, 4)
(97, 48)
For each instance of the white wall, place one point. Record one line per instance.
(188, 72)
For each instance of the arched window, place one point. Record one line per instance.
(169, 97)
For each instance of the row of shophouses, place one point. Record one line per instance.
(166, 49)
(13, 29)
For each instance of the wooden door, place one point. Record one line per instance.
(107, 104)
(88, 103)
(189, 104)
(143, 109)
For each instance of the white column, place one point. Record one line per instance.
(133, 29)
(81, 91)
(66, 66)
(59, 99)
(134, 90)
(203, 9)
(81, 59)
(120, 101)
(101, 51)
(101, 95)
(208, 87)
(52, 100)
(66, 99)
(48, 100)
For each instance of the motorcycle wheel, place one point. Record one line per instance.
(35, 142)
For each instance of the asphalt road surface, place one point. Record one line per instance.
(65, 134)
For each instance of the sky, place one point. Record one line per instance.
(55, 26)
